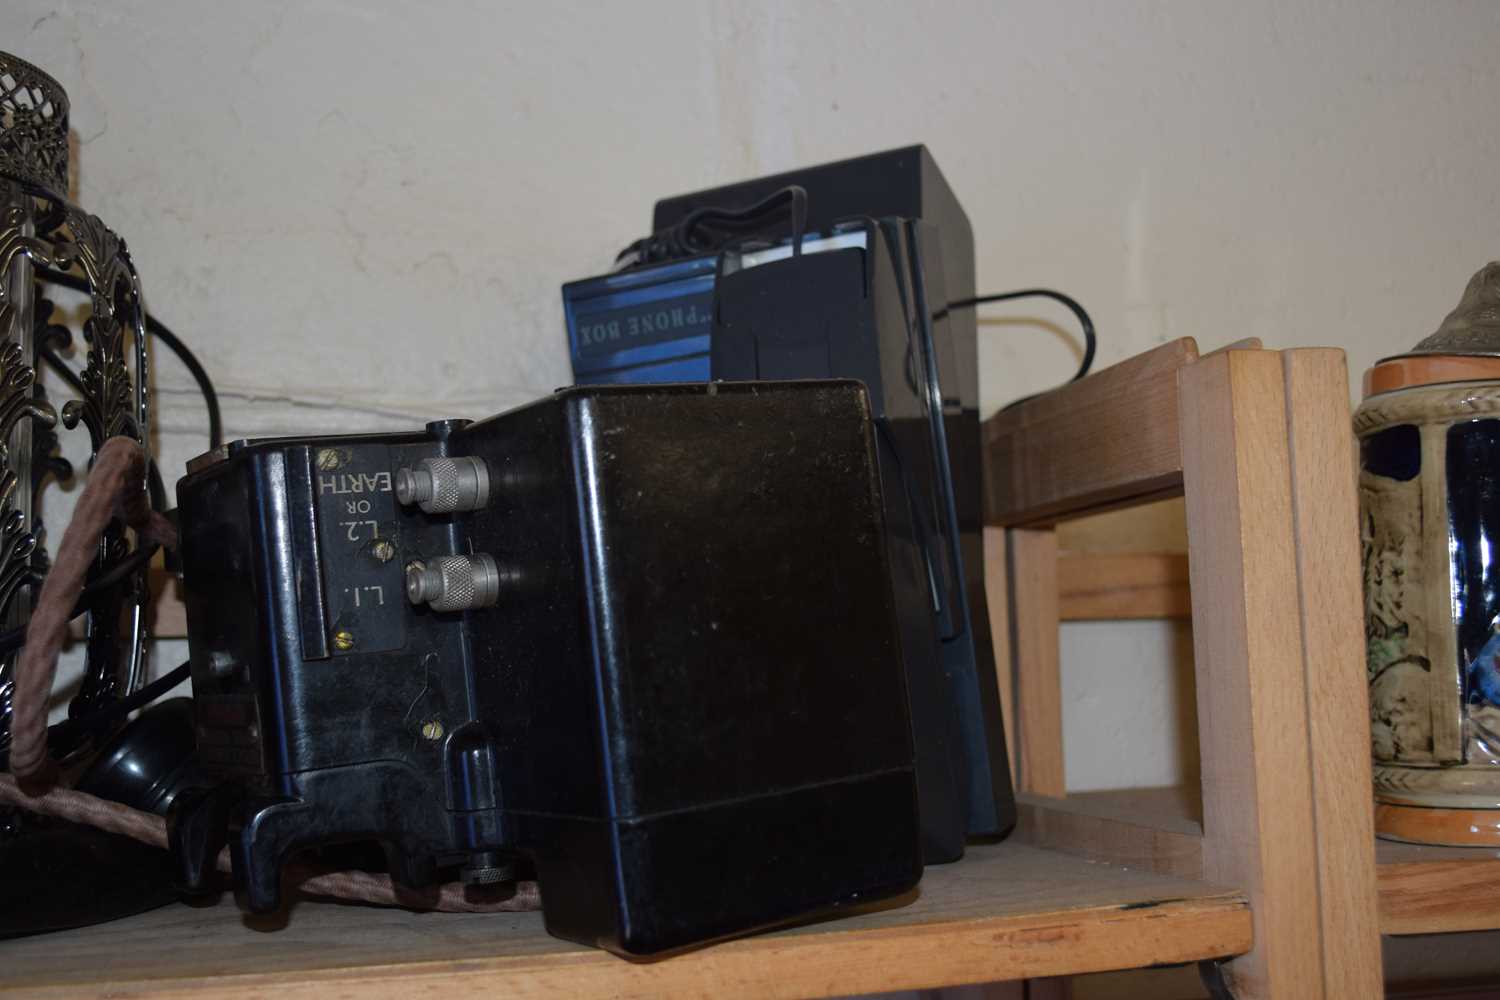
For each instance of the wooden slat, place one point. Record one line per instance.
(1034, 650)
(1148, 527)
(1243, 344)
(1005, 911)
(1252, 704)
(1110, 438)
(1433, 890)
(1118, 587)
(1326, 517)
(1140, 828)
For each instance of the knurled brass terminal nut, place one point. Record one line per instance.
(445, 485)
(473, 874)
(454, 583)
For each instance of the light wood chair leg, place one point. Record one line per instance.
(1036, 579)
(1258, 814)
(1325, 510)
(1035, 630)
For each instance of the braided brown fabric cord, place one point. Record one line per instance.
(119, 471)
(449, 898)
(362, 887)
(116, 488)
(79, 807)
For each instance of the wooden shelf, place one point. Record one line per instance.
(1422, 890)
(1006, 911)
(1152, 829)
(1430, 890)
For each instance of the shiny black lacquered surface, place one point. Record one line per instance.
(59, 874)
(687, 706)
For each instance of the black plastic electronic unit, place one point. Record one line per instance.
(641, 636)
(60, 874)
(868, 301)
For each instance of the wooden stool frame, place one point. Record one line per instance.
(1259, 444)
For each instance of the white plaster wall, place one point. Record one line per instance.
(360, 213)
(1129, 714)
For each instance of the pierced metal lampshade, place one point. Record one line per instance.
(41, 228)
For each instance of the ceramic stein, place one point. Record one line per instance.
(1429, 489)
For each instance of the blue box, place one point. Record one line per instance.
(650, 324)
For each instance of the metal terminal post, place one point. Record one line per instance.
(454, 583)
(488, 868)
(445, 485)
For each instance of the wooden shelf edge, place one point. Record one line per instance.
(1437, 890)
(821, 965)
(1006, 911)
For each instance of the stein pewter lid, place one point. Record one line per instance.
(1473, 327)
(1464, 348)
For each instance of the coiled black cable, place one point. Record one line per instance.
(710, 229)
(71, 731)
(13, 639)
(170, 340)
(1086, 323)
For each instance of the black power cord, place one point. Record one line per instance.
(13, 639)
(1087, 324)
(70, 731)
(710, 229)
(170, 340)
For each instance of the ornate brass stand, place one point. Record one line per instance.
(41, 228)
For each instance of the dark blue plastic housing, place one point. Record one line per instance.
(651, 324)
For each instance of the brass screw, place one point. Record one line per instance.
(343, 640)
(384, 550)
(328, 459)
(432, 730)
